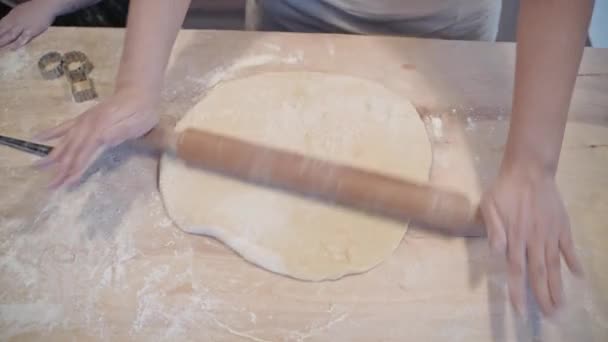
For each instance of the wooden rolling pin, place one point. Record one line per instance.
(334, 183)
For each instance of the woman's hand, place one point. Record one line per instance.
(25, 22)
(526, 219)
(128, 114)
(133, 109)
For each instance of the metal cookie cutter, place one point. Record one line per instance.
(82, 87)
(76, 63)
(51, 65)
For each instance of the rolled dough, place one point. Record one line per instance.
(340, 118)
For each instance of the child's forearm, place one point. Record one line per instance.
(550, 42)
(151, 31)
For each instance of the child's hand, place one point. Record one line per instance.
(527, 222)
(128, 114)
(25, 22)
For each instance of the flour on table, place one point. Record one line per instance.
(340, 118)
(13, 62)
(63, 253)
(294, 58)
(437, 126)
(272, 47)
(470, 123)
(252, 61)
(226, 72)
(22, 317)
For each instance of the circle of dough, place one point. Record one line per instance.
(339, 118)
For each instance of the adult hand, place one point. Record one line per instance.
(526, 219)
(25, 22)
(129, 113)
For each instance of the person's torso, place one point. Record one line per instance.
(404, 9)
(448, 19)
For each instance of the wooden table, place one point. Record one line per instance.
(104, 262)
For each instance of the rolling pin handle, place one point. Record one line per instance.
(451, 209)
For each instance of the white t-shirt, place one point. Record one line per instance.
(402, 9)
(448, 19)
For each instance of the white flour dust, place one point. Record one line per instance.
(273, 47)
(226, 72)
(13, 62)
(317, 328)
(191, 86)
(294, 58)
(79, 255)
(437, 127)
(20, 318)
(252, 61)
(74, 250)
(470, 124)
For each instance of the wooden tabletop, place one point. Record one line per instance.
(104, 262)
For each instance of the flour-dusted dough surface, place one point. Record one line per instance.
(340, 118)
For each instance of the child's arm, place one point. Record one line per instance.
(132, 110)
(28, 20)
(524, 212)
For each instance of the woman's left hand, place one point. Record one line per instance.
(527, 222)
(25, 22)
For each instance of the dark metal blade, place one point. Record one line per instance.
(26, 146)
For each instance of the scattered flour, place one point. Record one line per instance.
(221, 73)
(12, 63)
(273, 47)
(234, 332)
(470, 124)
(147, 296)
(252, 61)
(294, 58)
(16, 319)
(317, 328)
(437, 127)
(74, 247)
(190, 88)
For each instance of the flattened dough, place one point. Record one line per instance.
(340, 118)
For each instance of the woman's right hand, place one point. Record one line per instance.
(130, 113)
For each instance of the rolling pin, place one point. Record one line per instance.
(337, 184)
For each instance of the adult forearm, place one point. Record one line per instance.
(550, 41)
(151, 31)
